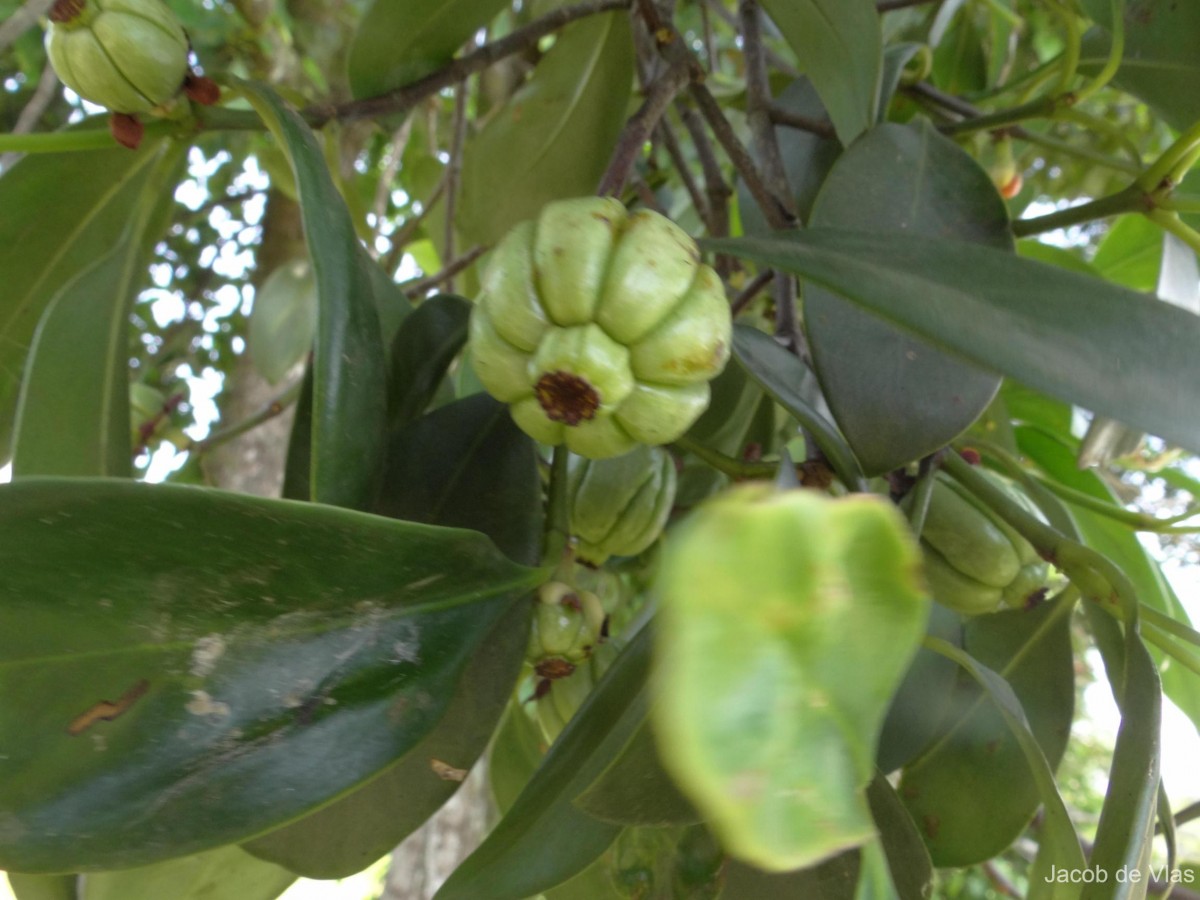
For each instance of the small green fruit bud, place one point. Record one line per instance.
(127, 55)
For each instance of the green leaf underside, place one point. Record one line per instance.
(896, 397)
(349, 359)
(766, 717)
(1100, 346)
(44, 245)
(183, 664)
(226, 873)
(553, 137)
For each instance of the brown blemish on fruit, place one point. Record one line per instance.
(932, 826)
(66, 10)
(566, 398)
(107, 710)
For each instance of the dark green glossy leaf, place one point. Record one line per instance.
(470, 437)
(297, 468)
(636, 790)
(840, 45)
(349, 362)
(897, 398)
(973, 792)
(907, 859)
(397, 43)
(924, 697)
(175, 658)
(1161, 64)
(788, 380)
(44, 245)
(422, 350)
(227, 873)
(515, 755)
(554, 136)
(544, 839)
(767, 717)
(468, 465)
(1065, 334)
(354, 831)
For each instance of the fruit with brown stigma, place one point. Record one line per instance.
(600, 328)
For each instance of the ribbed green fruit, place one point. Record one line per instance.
(130, 56)
(601, 328)
(618, 506)
(566, 626)
(974, 561)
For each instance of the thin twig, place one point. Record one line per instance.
(889, 5)
(418, 286)
(453, 172)
(22, 20)
(750, 291)
(383, 190)
(43, 95)
(669, 140)
(405, 97)
(758, 110)
(715, 186)
(270, 410)
(661, 91)
(820, 127)
(773, 209)
(412, 224)
(778, 63)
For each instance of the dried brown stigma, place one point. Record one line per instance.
(66, 10)
(567, 398)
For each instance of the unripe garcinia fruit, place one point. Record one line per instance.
(974, 561)
(618, 506)
(127, 55)
(601, 328)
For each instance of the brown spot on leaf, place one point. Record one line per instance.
(107, 710)
(554, 668)
(447, 772)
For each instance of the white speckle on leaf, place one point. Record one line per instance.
(99, 743)
(202, 704)
(205, 654)
(425, 582)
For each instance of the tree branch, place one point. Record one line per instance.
(659, 94)
(418, 286)
(403, 98)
